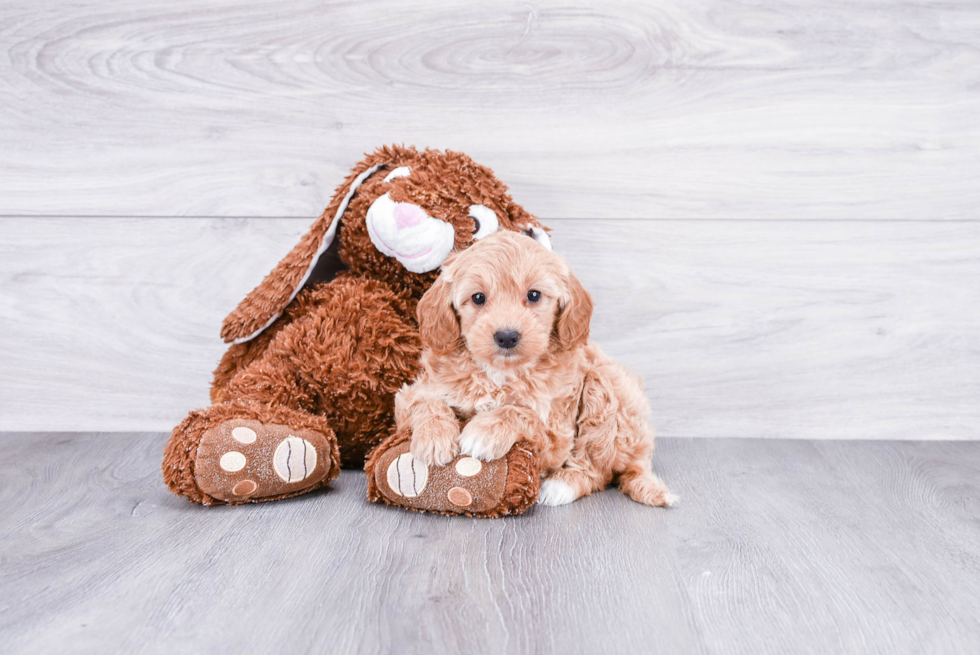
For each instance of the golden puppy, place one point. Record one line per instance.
(505, 333)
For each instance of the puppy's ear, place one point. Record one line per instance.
(574, 315)
(438, 325)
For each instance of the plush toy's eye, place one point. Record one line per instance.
(533, 295)
(536, 233)
(484, 221)
(479, 299)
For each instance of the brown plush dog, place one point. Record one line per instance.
(322, 345)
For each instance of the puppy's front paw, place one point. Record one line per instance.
(486, 437)
(436, 444)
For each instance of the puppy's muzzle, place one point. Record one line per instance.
(507, 339)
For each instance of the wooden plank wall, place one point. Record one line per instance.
(776, 204)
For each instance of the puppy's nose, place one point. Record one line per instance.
(507, 339)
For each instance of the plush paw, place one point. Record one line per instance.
(244, 460)
(555, 492)
(466, 485)
(436, 444)
(486, 437)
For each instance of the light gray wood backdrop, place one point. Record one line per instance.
(775, 204)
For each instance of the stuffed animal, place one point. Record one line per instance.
(466, 485)
(323, 343)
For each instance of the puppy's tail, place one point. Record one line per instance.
(645, 487)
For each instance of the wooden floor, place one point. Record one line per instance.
(778, 546)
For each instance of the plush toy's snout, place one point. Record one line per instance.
(407, 233)
(408, 215)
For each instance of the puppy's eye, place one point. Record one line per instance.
(484, 221)
(533, 295)
(479, 299)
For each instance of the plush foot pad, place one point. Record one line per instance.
(464, 486)
(244, 460)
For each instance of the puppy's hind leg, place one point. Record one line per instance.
(643, 486)
(567, 485)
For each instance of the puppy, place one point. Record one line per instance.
(505, 337)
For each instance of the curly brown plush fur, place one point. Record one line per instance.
(331, 357)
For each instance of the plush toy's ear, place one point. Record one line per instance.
(438, 325)
(574, 315)
(267, 301)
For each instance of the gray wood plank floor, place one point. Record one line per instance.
(778, 546)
